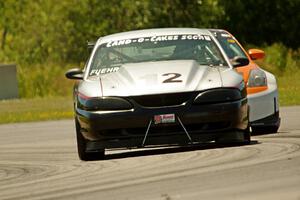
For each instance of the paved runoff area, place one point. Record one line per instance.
(39, 161)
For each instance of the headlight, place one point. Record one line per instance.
(257, 78)
(218, 95)
(102, 103)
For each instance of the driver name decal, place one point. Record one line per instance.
(104, 71)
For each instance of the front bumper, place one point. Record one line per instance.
(127, 128)
(263, 104)
(269, 121)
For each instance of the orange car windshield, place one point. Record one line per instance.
(230, 46)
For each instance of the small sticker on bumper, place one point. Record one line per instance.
(164, 119)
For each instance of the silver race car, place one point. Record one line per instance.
(172, 86)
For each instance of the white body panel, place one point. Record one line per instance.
(147, 78)
(264, 103)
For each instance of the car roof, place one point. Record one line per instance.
(152, 32)
(217, 30)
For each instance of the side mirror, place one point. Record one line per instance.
(239, 61)
(256, 54)
(75, 73)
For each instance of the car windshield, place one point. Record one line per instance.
(109, 57)
(230, 46)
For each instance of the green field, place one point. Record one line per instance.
(289, 89)
(38, 109)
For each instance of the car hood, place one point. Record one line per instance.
(158, 77)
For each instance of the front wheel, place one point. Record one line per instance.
(235, 138)
(264, 129)
(247, 136)
(81, 147)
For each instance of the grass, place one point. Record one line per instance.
(45, 94)
(289, 88)
(38, 109)
(44, 80)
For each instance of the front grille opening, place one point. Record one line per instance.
(158, 130)
(159, 100)
(208, 127)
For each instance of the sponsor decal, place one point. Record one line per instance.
(231, 41)
(156, 39)
(164, 119)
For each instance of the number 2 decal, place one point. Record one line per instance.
(173, 78)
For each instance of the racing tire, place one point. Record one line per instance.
(265, 129)
(247, 136)
(81, 147)
(235, 138)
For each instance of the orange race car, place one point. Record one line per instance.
(262, 90)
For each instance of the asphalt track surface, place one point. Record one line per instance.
(39, 161)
